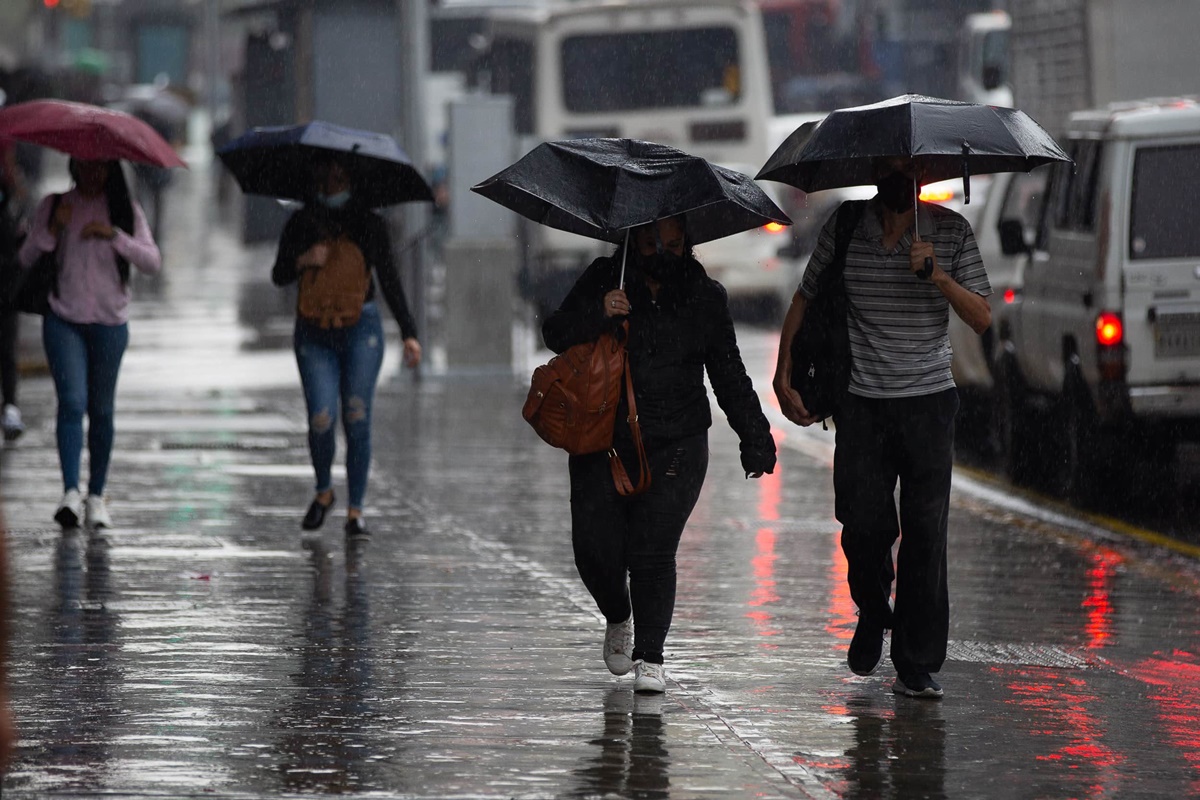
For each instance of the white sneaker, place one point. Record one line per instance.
(70, 509)
(649, 677)
(96, 511)
(11, 422)
(618, 644)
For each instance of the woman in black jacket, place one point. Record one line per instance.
(340, 356)
(679, 326)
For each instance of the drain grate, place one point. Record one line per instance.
(1031, 655)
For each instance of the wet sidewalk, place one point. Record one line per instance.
(204, 648)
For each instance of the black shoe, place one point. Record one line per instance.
(917, 684)
(356, 528)
(866, 648)
(315, 516)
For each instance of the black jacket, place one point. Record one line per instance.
(671, 343)
(367, 229)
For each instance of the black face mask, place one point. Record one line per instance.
(664, 267)
(896, 192)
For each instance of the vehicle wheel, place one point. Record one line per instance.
(1014, 430)
(1082, 470)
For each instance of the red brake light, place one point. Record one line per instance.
(1010, 296)
(1109, 330)
(774, 227)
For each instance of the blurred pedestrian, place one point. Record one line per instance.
(98, 232)
(13, 197)
(334, 247)
(897, 422)
(679, 326)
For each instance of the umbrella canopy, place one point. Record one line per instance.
(277, 162)
(948, 139)
(600, 188)
(86, 132)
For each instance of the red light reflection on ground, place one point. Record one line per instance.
(1098, 604)
(1175, 686)
(842, 616)
(763, 562)
(1057, 705)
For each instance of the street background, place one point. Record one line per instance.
(205, 648)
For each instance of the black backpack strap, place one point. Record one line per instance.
(849, 214)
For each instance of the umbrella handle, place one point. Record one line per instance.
(624, 257)
(926, 271)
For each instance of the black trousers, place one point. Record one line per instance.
(880, 442)
(625, 546)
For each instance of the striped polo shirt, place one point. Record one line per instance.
(899, 323)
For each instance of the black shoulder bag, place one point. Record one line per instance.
(821, 348)
(29, 290)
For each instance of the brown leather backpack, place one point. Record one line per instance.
(332, 295)
(572, 404)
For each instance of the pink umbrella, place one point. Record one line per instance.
(86, 132)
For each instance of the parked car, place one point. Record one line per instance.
(1004, 199)
(1102, 368)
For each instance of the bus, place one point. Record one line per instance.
(691, 74)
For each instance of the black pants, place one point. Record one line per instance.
(8, 356)
(616, 536)
(908, 439)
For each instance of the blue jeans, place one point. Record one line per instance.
(84, 360)
(341, 364)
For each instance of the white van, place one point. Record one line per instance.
(1108, 343)
(691, 74)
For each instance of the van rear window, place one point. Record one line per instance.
(681, 68)
(1166, 195)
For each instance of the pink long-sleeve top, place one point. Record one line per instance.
(89, 285)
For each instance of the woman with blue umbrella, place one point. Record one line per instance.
(335, 248)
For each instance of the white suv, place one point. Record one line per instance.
(1107, 349)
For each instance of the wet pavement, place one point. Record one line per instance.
(204, 648)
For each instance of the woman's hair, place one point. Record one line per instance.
(120, 205)
(688, 253)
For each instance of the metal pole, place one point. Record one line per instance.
(413, 18)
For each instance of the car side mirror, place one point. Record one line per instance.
(1012, 237)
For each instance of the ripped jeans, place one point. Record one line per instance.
(625, 546)
(341, 364)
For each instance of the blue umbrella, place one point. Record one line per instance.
(277, 162)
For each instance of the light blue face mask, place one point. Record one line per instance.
(334, 200)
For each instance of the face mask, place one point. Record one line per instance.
(896, 192)
(334, 200)
(662, 267)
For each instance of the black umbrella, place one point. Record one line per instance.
(600, 188)
(947, 138)
(277, 162)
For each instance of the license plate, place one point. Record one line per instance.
(1177, 336)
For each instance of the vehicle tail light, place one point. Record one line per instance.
(1109, 331)
(774, 227)
(1010, 296)
(1110, 336)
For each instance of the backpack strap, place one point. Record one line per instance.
(849, 214)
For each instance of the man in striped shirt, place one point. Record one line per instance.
(897, 423)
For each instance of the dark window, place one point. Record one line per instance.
(685, 68)
(1166, 194)
(451, 40)
(1075, 189)
(511, 65)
